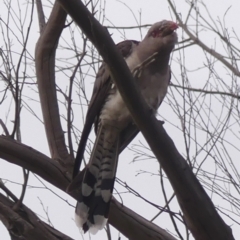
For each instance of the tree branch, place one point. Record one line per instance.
(28, 158)
(45, 70)
(24, 224)
(130, 220)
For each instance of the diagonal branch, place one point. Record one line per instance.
(145, 228)
(24, 224)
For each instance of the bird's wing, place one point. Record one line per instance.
(131, 131)
(101, 88)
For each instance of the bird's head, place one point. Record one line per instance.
(162, 35)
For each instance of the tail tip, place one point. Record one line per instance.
(99, 224)
(82, 222)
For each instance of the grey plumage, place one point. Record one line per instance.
(148, 61)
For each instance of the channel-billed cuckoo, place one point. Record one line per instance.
(148, 61)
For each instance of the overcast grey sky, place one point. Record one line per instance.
(61, 212)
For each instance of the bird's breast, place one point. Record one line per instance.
(115, 112)
(154, 88)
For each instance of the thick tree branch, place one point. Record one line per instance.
(24, 224)
(146, 229)
(26, 157)
(53, 172)
(199, 212)
(45, 70)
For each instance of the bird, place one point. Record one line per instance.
(148, 61)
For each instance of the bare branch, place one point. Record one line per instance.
(41, 17)
(201, 44)
(45, 70)
(24, 223)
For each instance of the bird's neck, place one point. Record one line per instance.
(161, 57)
(161, 63)
(158, 64)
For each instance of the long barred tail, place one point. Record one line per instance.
(97, 186)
